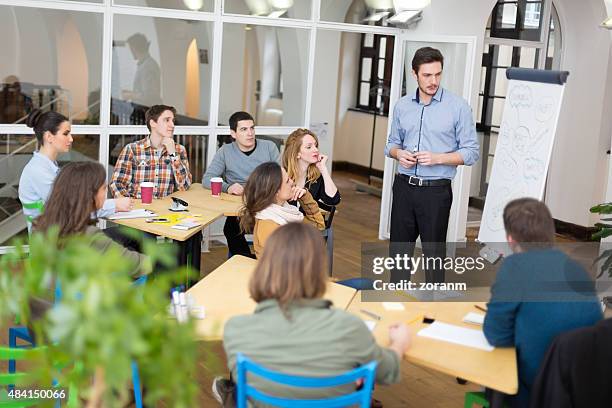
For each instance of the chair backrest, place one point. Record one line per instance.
(7, 353)
(329, 218)
(244, 390)
(34, 209)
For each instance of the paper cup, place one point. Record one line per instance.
(146, 192)
(215, 186)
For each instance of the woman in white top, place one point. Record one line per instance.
(53, 133)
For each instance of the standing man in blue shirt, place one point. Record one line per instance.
(432, 132)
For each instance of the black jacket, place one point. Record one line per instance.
(577, 370)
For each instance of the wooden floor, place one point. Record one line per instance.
(356, 221)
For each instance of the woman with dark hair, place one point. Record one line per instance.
(295, 331)
(53, 133)
(265, 208)
(80, 190)
(308, 167)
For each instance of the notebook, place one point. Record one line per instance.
(139, 213)
(474, 318)
(186, 225)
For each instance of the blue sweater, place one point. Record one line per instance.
(536, 296)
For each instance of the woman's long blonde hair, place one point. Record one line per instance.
(293, 144)
(292, 267)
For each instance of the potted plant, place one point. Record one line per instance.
(604, 230)
(102, 322)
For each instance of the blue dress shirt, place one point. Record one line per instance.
(37, 180)
(445, 125)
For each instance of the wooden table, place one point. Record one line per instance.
(201, 204)
(224, 293)
(495, 369)
(198, 196)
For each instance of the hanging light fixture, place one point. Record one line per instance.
(194, 5)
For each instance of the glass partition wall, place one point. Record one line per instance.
(102, 63)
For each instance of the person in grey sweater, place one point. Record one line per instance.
(234, 163)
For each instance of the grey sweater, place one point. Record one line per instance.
(233, 166)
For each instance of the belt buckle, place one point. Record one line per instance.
(420, 183)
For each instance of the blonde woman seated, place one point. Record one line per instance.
(265, 197)
(307, 166)
(295, 331)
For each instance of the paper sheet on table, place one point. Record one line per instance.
(371, 324)
(457, 335)
(139, 213)
(475, 318)
(393, 306)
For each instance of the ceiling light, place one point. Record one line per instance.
(277, 13)
(406, 17)
(374, 17)
(194, 5)
(607, 23)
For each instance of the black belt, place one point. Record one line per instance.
(419, 182)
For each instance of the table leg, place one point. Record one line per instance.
(190, 253)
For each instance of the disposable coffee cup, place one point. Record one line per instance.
(215, 186)
(146, 192)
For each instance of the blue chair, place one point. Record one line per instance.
(244, 390)
(23, 333)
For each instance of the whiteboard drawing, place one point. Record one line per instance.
(532, 168)
(521, 140)
(508, 162)
(545, 109)
(520, 97)
(523, 151)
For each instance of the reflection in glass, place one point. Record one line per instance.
(158, 60)
(264, 73)
(196, 146)
(364, 12)
(50, 59)
(190, 5)
(271, 8)
(15, 152)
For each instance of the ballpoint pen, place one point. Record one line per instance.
(372, 315)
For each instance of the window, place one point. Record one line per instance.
(520, 20)
(375, 68)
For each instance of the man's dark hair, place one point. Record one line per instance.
(529, 221)
(138, 41)
(426, 55)
(237, 117)
(155, 111)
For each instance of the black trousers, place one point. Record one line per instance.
(419, 211)
(236, 242)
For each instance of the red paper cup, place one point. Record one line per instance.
(146, 192)
(215, 186)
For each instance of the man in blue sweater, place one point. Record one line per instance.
(539, 292)
(234, 163)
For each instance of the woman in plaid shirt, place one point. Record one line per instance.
(156, 158)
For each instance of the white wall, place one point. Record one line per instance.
(578, 168)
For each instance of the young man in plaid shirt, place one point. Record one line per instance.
(156, 158)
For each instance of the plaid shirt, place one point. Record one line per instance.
(138, 162)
